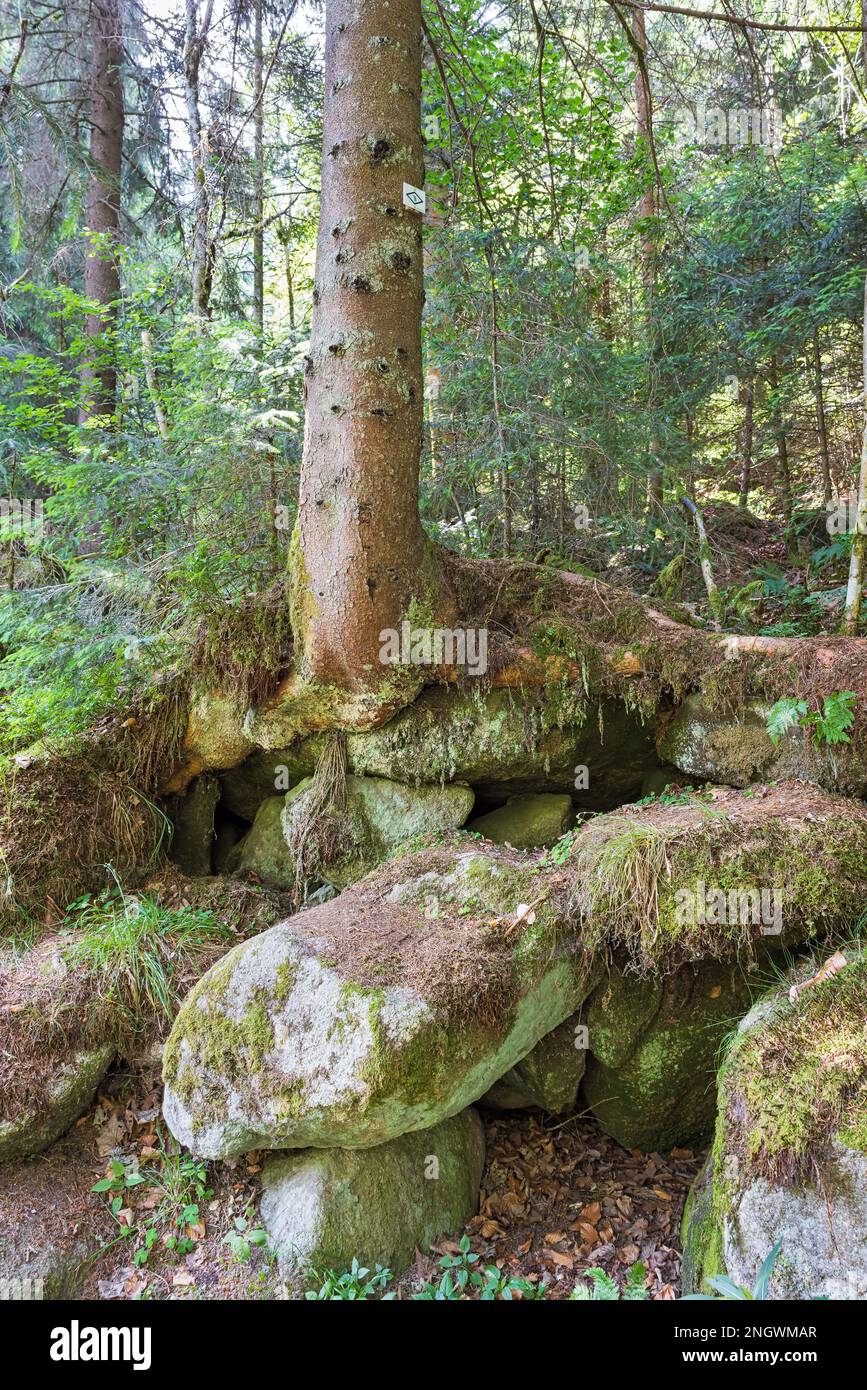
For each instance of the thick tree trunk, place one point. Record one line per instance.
(101, 267)
(360, 548)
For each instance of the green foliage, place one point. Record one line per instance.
(830, 725)
(730, 1292)
(174, 1189)
(353, 1285)
(603, 1289)
(244, 1238)
(137, 951)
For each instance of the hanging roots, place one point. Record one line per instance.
(319, 831)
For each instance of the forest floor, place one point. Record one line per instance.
(558, 1196)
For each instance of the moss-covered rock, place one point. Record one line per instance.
(789, 1161)
(263, 852)
(377, 818)
(533, 821)
(265, 774)
(718, 873)
(716, 747)
(324, 1207)
(384, 1011)
(500, 741)
(549, 1076)
(71, 1089)
(664, 1037)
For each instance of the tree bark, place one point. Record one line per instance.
(360, 551)
(746, 445)
(258, 177)
(855, 588)
(785, 472)
(202, 246)
(821, 422)
(101, 266)
(647, 209)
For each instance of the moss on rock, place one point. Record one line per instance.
(789, 1162)
(325, 1207)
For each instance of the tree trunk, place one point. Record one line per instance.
(821, 423)
(101, 267)
(746, 445)
(360, 549)
(202, 246)
(785, 472)
(258, 177)
(647, 209)
(855, 588)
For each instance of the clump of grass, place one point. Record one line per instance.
(139, 957)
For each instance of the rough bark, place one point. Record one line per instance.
(360, 550)
(101, 267)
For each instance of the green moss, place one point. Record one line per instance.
(801, 1077)
(629, 872)
(285, 979)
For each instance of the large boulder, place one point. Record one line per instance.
(378, 816)
(68, 1086)
(651, 1074)
(323, 1208)
(717, 747)
(534, 821)
(387, 1010)
(500, 741)
(789, 1160)
(406, 998)
(263, 851)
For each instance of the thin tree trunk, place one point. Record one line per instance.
(855, 587)
(821, 422)
(785, 473)
(714, 597)
(202, 246)
(746, 481)
(102, 267)
(359, 559)
(147, 351)
(647, 209)
(258, 177)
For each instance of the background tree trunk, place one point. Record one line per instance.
(855, 588)
(202, 247)
(101, 266)
(360, 548)
(258, 176)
